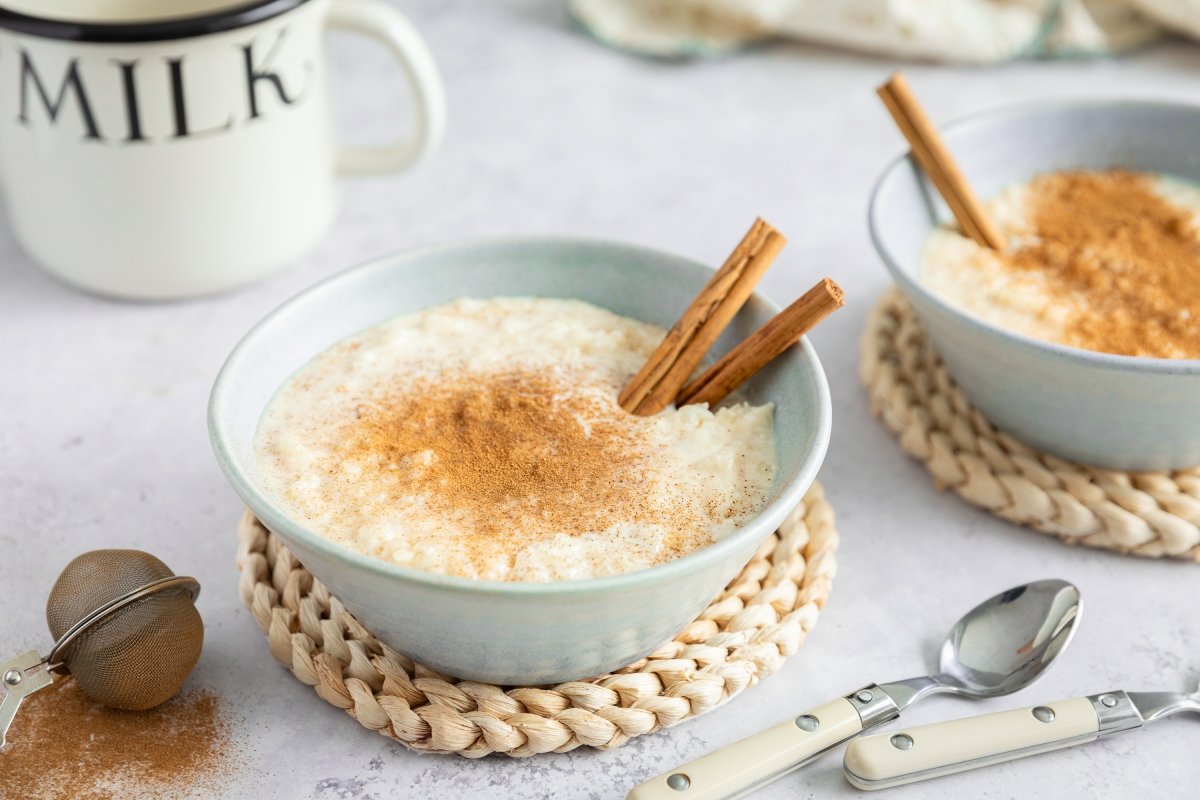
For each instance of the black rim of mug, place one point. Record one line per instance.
(225, 19)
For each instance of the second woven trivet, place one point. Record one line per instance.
(745, 634)
(1152, 514)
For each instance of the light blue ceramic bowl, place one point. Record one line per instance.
(1104, 410)
(508, 632)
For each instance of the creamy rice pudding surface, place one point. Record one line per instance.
(1101, 260)
(483, 439)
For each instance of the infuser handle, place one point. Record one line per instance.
(20, 677)
(757, 760)
(944, 748)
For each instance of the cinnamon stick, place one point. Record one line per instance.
(659, 380)
(764, 345)
(936, 161)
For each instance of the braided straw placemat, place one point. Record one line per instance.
(1155, 514)
(761, 618)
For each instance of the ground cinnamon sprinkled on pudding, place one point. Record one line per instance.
(516, 451)
(484, 439)
(63, 746)
(1101, 260)
(1129, 253)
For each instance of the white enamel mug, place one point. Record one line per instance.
(156, 154)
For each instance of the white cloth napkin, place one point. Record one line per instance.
(1182, 16)
(978, 31)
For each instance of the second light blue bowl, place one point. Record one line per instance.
(1099, 409)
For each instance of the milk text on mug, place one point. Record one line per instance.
(61, 98)
(156, 157)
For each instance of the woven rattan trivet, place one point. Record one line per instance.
(1153, 514)
(760, 619)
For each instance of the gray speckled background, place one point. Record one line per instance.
(103, 440)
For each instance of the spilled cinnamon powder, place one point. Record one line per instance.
(518, 453)
(63, 746)
(1122, 257)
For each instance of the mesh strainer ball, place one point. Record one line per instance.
(136, 655)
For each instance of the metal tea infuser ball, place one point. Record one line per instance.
(126, 629)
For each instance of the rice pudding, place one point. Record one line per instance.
(1101, 260)
(483, 439)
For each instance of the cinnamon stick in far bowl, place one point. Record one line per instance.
(936, 162)
(764, 345)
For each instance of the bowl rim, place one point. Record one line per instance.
(277, 521)
(911, 284)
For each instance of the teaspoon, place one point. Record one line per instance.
(997, 648)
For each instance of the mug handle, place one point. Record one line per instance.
(385, 24)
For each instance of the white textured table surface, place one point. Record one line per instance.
(103, 440)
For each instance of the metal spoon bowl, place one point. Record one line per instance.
(1002, 645)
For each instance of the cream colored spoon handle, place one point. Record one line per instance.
(943, 748)
(744, 766)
